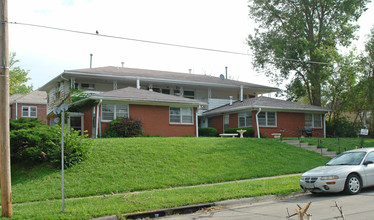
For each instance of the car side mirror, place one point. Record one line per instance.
(368, 162)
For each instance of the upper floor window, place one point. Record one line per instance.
(181, 115)
(267, 119)
(112, 111)
(87, 86)
(29, 111)
(313, 120)
(189, 94)
(245, 119)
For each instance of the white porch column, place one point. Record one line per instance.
(138, 83)
(115, 85)
(241, 93)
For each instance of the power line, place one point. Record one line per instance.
(157, 42)
(130, 39)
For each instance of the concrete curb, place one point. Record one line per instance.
(197, 207)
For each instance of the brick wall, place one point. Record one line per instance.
(41, 111)
(291, 122)
(155, 120)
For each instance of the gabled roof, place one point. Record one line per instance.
(34, 97)
(131, 94)
(119, 73)
(265, 103)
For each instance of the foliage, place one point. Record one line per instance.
(37, 143)
(208, 132)
(338, 90)
(299, 38)
(77, 95)
(341, 127)
(18, 77)
(250, 132)
(123, 127)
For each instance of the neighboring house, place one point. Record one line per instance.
(268, 116)
(161, 114)
(214, 91)
(32, 105)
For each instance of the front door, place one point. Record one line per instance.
(76, 122)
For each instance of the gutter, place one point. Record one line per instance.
(16, 110)
(97, 118)
(175, 81)
(258, 128)
(267, 108)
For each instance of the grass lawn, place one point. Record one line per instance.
(120, 166)
(339, 144)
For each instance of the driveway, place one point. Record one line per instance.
(322, 207)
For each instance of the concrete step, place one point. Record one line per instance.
(323, 151)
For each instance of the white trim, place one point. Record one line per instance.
(312, 114)
(181, 116)
(258, 127)
(266, 119)
(196, 120)
(29, 111)
(245, 119)
(114, 110)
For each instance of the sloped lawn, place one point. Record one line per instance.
(134, 164)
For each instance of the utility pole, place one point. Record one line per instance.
(6, 201)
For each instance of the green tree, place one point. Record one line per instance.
(337, 92)
(296, 38)
(18, 77)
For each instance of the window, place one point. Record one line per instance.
(226, 122)
(87, 86)
(245, 119)
(111, 111)
(181, 115)
(210, 122)
(313, 120)
(29, 111)
(166, 91)
(189, 94)
(267, 119)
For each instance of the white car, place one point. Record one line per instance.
(349, 172)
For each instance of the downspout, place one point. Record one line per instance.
(16, 110)
(197, 124)
(258, 128)
(241, 93)
(324, 126)
(97, 118)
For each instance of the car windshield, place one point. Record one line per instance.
(349, 158)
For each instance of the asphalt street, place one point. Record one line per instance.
(322, 206)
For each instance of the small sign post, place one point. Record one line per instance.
(364, 132)
(58, 110)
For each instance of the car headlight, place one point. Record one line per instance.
(329, 177)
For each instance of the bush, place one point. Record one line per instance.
(250, 131)
(342, 128)
(37, 143)
(208, 132)
(124, 127)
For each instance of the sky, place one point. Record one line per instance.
(214, 24)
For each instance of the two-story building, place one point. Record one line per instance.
(112, 96)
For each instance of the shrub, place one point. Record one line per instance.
(250, 132)
(37, 143)
(124, 127)
(341, 127)
(208, 132)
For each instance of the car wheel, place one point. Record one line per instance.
(352, 184)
